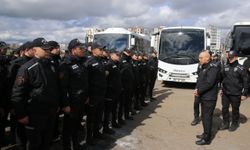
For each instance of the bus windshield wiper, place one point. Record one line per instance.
(189, 56)
(167, 57)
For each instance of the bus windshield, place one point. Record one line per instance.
(181, 46)
(117, 41)
(242, 39)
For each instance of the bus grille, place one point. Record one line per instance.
(179, 75)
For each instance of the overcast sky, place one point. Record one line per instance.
(62, 20)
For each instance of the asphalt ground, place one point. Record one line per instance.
(165, 125)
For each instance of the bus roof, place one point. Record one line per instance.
(183, 27)
(122, 31)
(238, 24)
(115, 31)
(241, 23)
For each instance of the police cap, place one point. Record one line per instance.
(3, 45)
(232, 53)
(27, 45)
(41, 42)
(114, 50)
(129, 51)
(76, 43)
(54, 44)
(97, 45)
(136, 53)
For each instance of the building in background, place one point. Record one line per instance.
(155, 37)
(215, 38)
(90, 34)
(137, 30)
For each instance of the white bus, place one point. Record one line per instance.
(120, 38)
(178, 51)
(239, 39)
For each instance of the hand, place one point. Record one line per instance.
(106, 73)
(24, 120)
(243, 98)
(87, 100)
(58, 109)
(221, 93)
(196, 92)
(66, 109)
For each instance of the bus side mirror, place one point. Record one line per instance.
(132, 41)
(152, 42)
(208, 39)
(208, 44)
(230, 43)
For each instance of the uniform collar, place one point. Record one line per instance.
(128, 58)
(204, 66)
(53, 56)
(234, 64)
(26, 57)
(73, 58)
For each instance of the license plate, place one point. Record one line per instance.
(179, 80)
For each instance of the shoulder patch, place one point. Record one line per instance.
(75, 66)
(213, 65)
(95, 64)
(240, 67)
(226, 69)
(235, 69)
(35, 64)
(19, 80)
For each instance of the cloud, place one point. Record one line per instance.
(153, 17)
(74, 9)
(63, 20)
(21, 30)
(226, 19)
(204, 8)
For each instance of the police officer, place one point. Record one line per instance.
(246, 65)
(74, 87)
(136, 85)
(17, 128)
(152, 71)
(127, 77)
(234, 89)
(28, 54)
(36, 97)
(55, 53)
(112, 97)
(206, 89)
(16, 53)
(216, 60)
(197, 103)
(88, 52)
(143, 68)
(97, 91)
(55, 59)
(4, 101)
(105, 56)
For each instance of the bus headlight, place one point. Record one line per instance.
(162, 71)
(194, 73)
